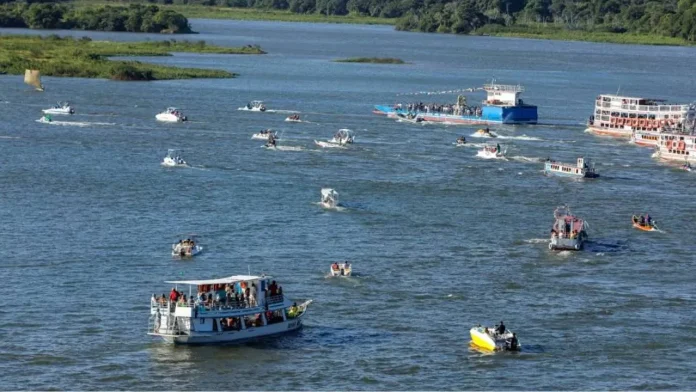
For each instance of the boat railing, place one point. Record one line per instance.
(170, 306)
(503, 87)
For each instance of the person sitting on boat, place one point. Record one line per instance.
(573, 234)
(501, 328)
(648, 220)
(335, 266)
(642, 220)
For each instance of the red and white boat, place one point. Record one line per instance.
(621, 116)
(568, 231)
(676, 147)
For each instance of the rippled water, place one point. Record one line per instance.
(440, 240)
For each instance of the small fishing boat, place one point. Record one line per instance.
(644, 223)
(225, 310)
(186, 248)
(264, 135)
(174, 159)
(341, 269)
(171, 114)
(583, 168)
(461, 141)
(293, 118)
(343, 137)
(329, 198)
(491, 152)
(568, 231)
(254, 106)
(60, 108)
(32, 77)
(484, 133)
(494, 339)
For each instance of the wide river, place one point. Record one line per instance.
(440, 240)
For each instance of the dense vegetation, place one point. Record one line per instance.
(372, 60)
(665, 18)
(134, 18)
(56, 56)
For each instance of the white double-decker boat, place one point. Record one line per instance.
(254, 106)
(60, 108)
(677, 147)
(171, 114)
(621, 116)
(225, 310)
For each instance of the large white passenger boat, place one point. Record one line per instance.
(224, 310)
(620, 116)
(677, 147)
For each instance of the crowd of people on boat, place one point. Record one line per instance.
(237, 295)
(511, 344)
(454, 109)
(294, 117)
(336, 267)
(187, 243)
(643, 220)
(572, 234)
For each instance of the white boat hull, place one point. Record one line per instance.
(341, 271)
(64, 111)
(229, 337)
(246, 109)
(486, 154)
(169, 162)
(176, 251)
(323, 144)
(558, 243)
(168, 117)
(291, 120)
(261, 136)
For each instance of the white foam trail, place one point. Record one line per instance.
(337, 208)
(281, 111)
(537, 241)
(521, 158)
(328, 144)
(487, 155)
(75, 123)
(10, 137)
(491, 136)
(286, 148)
(523, 137)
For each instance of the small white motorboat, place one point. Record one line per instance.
(329, 198)
(494, 339)
(264, 135)
(254, 106)
(174, 158)
(343, 137)
(61, 108)
(491, 152)
(171, 115)
(341, 269)
(186, 248)
(293, 118)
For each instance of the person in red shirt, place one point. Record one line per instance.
(174, 295)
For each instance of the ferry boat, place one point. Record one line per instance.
(341, 269)
(225, 310)
(491, 339)
(645, 138)
(568, 231)
(502, 105)
(676, 147)
(620, 116)
(584, 168)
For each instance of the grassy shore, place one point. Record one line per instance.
(55, 56)
(372, 60)
(557, 33)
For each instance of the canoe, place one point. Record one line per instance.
(644, 227)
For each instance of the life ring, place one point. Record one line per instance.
(681, 146)
(669, 144)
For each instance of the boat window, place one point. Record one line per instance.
(231, 323)
(274, 317)
(253, 320)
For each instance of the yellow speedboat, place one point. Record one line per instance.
(489, 339)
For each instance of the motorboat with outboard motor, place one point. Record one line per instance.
(341, 269)
(484, 133)
(329, 198)
(272, 141)
(60, 108)
(186, 248)
(491, 152)
(224, 310)
(293, 118)
(644, 223)
(254, 106)
(174, 158)
(461, 141)
(263, 135)
(171, 114)
(568, 231)
(495, 339)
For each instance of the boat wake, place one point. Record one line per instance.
(485, 155)
(522, 137)
(286, 148)
(328, 145)
(537, 241)
(9, 137)
(282, 111)
(338, 208)
(521, 158)
(75, 123)
(490, 136)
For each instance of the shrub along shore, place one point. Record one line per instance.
(372, 60)
(69, 57)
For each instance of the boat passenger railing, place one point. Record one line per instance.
(503, 87)
(170, 306)
(644, 108)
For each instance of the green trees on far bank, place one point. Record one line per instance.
(667, 18)
(134, 18)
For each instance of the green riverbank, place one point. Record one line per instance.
(68, 57)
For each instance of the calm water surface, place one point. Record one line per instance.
(440, 240)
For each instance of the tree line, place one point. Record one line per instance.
(133, 18)
(673, 18)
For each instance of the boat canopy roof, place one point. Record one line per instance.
(227, 280)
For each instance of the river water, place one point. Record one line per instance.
(440, 240)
